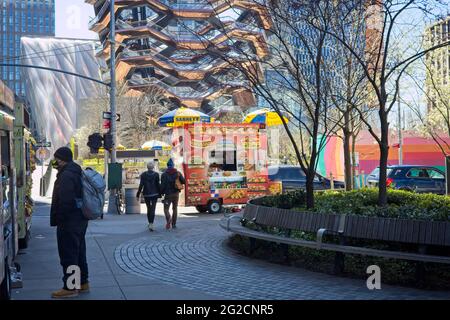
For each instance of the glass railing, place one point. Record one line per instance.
(98, 49)
(181, 92)
(191, 6)
(246, 27)
(204, 64)
(103, 10)
(106, 76)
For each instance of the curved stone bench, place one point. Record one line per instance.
(418, 232)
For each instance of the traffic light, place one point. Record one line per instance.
(107, 141)
(95, 142)
(106, 124)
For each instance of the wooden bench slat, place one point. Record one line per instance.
(408, 234)
(376, 228)
(363, 227)
(234, 226)
(447, 234)
(369, 228)
(291, 220)
(437, 233)
(398, 230)
(429, 232)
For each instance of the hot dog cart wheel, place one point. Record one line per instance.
(202, 209)
(214, 206)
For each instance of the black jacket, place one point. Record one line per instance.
(149, 185)
(168, 181)
(67, 189)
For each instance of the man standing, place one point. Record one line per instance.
(71, 225)
(149, 186)
(171, 186)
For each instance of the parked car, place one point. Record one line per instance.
(293, 178)
(411, 178)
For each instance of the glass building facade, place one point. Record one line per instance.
(22, 18)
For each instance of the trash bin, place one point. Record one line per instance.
(132, 204)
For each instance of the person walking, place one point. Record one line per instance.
(70, 223)
(150, 189)
(172, 182)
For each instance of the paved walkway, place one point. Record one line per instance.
(126, 261)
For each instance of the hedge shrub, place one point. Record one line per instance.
(401, 204)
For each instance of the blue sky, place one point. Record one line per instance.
(72, 18)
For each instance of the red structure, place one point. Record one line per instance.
(416, 150)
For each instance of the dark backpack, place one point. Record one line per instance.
(93, 192)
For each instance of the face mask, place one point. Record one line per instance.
(54, 164)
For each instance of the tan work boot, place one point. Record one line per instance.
(64, 293)
(84, 288)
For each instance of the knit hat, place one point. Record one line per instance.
(64, 154)
(170, 163)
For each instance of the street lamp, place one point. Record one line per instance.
(400, 138)
(112, 208)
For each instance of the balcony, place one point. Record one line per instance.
(173, 56)
(103, 11)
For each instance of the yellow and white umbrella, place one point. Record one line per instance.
(266, 116)
(155, 145)
(181, 116)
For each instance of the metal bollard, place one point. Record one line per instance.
(331, 181)
(363, 179)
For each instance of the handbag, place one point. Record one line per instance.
(178, 185)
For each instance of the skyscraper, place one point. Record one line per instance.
(22, 18)
(438, 65)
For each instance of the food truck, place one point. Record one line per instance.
(224, 164)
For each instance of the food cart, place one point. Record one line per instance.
(224, 164)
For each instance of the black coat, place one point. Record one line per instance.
(149, 185)
(66, 191)
(168, 181)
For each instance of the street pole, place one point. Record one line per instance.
(42, 179)
(400, 139)
(113, 81)
(112, 208)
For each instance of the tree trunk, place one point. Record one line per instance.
(310, 189)
(353, 135)
(384, 152)
(347, 163)
(347, 155)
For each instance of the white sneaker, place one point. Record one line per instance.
(150, 226)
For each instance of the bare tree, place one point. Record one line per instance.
(139, 116)
(89, 121)
(139, 113)
(435, 121)
(294, 78)
(390, 49)
(349, 96)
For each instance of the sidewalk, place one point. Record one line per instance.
(192, 262)
(42, 272)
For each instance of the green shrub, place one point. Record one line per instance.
(401, 204)
(286, 200)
